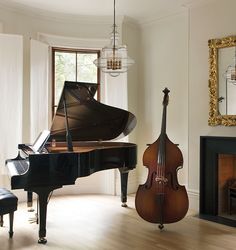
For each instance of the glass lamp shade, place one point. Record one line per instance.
(230, 74)
(114, 58)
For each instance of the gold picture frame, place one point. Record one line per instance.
(215, 118)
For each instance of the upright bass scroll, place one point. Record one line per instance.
(161, 199)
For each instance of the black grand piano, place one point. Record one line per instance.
(79, 145)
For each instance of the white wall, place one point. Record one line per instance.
(164, 63)
(213, 20)
(174, 53)
(131, 38)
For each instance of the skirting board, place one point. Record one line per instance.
(86, 185)
(193, 196)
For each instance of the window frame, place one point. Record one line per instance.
(77, 51)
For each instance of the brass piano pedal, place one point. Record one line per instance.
(33, 219)
(30, 209)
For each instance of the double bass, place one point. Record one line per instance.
(162, 199)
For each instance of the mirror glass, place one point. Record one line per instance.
(222, 81)
(227, 88)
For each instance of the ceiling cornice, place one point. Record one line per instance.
(70, 42)
(57, 17)
(173, 12)
(37, 13)
(194, 4)
(165, 15)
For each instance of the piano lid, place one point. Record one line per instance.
(88, 119)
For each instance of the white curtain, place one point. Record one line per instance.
(39, 87)
(115, 94)
(11, 87)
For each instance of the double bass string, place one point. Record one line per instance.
(160, 178)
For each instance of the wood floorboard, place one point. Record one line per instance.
(98, 222)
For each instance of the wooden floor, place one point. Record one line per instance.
(98, 222)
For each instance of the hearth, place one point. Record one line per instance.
(218, 179)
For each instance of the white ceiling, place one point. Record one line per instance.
(139, 10)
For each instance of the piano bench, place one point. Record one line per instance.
(8, 204)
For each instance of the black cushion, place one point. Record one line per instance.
(8, 201)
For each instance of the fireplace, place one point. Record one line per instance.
(218, 179)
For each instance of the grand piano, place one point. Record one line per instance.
(79, 145)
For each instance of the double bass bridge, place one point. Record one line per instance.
(161, 180)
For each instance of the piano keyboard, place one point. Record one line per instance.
(18, 167)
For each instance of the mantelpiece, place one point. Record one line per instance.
(213, 151)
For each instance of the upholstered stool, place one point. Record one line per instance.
(8, 204)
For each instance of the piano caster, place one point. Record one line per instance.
(42, 240)
(123, 204)
(161, 226)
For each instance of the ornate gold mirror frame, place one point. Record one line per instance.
(215, 118)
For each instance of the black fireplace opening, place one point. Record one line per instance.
(218, 179)
(227, 186)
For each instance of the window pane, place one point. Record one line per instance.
(65, 69)
(86, 69)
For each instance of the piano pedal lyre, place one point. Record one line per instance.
(30, 207)
(30, 201)
(33, 219)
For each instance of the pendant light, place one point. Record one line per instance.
(114, 57)
(230, 73)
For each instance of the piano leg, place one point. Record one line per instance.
(43, 194)
(124, 182)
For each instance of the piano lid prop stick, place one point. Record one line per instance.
(68, 135)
